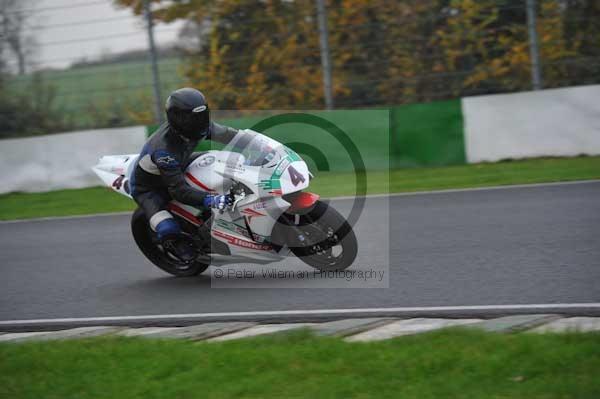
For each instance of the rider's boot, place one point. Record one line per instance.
(179, 247)
(171, 238)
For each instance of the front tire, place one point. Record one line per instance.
(142, 234)
(322, 238)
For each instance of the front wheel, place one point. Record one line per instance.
(322, 238)
(155, 254)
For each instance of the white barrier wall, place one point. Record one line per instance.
(64, 160)
(557, 122)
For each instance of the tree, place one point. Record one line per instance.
(31, 108)
(477, 50)
(255, 55)
(14, 15)
(582, 32)
(265, 53)
(381, 54)
(484, 46)
(32, 112)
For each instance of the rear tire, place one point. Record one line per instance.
(143, 238)
(329, 242)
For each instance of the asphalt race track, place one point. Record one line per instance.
(525, 245)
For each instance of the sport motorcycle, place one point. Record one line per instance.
(272, 216)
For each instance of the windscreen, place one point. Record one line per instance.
(258, 149)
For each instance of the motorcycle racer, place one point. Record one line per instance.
(158, 176)
(272, 218)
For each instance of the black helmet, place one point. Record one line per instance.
(188, 113)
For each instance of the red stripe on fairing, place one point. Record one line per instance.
(197, 182)
(185, 214)
(253, 212)
(242, 243)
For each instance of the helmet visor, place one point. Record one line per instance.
(194, 124)
(201, 120)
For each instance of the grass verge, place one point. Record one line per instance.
(100, 200)
(445, 364)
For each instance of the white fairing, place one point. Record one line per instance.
(115, 171)
(265, 167)
(213, 170)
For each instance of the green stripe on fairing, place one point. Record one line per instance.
(272, 183)
(292, 156)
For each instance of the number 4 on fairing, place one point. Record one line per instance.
(296, 176)
(118, 182)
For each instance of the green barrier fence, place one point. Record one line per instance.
(404, 136)
(427, 134)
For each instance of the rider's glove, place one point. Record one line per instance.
(218, 201)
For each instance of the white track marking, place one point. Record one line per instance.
(570, 324)
(52, 218)
(312, 312)
(432, 192)
(460, 190)
(263, 329)
(408, 327)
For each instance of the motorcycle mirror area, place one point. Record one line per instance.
(237, 193)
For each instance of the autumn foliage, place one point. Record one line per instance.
(257, 54)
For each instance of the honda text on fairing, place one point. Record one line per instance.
(271, 217)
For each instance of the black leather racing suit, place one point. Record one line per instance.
(159, 174)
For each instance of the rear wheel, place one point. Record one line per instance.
(143, 236)
(322, 238)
